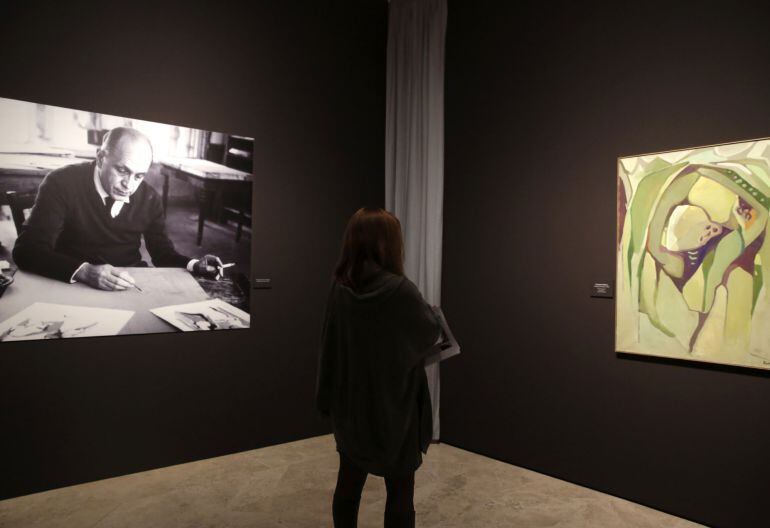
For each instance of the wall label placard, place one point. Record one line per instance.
(604, 290)
(263, 284)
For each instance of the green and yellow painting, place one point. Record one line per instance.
(693, 254)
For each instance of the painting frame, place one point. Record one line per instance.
(707, 178)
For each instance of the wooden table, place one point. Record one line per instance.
(209, 179)
(22, 172)
(161, 287)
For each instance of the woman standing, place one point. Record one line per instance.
(377, 332)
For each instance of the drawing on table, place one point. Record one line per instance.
(58, 321)
(29, 329)
(212, 314)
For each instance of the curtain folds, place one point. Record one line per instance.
(414, 145)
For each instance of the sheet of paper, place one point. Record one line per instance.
(449, 345)
(166, 282)
(160, 287)
(212, 314)
(56, 321)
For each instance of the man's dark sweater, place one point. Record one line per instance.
(69, 224)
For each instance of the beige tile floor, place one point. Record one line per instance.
(291, 485)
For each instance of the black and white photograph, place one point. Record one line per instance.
(107, 221)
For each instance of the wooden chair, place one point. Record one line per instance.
(240, 216)
(239, 154)
(19, 203)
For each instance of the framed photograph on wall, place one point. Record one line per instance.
(693, 254)
(109, 221)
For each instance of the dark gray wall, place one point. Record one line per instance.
(540, 100)
(306, 79)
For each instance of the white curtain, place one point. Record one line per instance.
(414, 145)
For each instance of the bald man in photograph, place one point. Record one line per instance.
(89, 218)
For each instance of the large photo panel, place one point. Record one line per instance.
(114, 225)
(693, 254)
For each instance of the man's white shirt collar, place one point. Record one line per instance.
(117, 205)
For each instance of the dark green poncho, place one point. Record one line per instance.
(371, 376)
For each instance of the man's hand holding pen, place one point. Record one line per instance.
(105, 277)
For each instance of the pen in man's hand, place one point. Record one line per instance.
(104, 261)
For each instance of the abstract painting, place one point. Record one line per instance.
(692, 252)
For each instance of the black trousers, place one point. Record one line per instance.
(399, 506)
